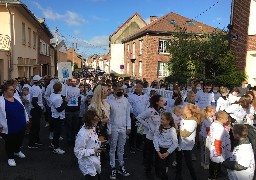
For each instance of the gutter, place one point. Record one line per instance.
(10, 62)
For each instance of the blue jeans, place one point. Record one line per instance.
(72, 125)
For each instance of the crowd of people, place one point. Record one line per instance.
(99, 116)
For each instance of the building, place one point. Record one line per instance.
(74, 57)
(145, 52)
(243, 36)
(5, 42)
(19, 23)
(133, 24)
(44, 54)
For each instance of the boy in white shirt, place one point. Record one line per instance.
(219, 144)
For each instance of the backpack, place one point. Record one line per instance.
(252, 139)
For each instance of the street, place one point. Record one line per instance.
(42, 164)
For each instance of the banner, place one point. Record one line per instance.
(166, 94)
(64, 70)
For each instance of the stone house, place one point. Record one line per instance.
(145, 51)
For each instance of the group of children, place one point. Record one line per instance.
(222, 128)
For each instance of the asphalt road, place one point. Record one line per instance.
(42, 164)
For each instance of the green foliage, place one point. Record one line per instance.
(75, 66)
(203, 57)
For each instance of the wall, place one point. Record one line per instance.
(117, 57)
(4, 56)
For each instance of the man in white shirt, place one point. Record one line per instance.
(72, 122)
(139, 103)
(205, 98)
(36, 112)
(120, 125)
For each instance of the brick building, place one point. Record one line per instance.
(243, 36)
(72, 55)
(145, 53)
(44, 55)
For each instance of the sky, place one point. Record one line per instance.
(89, 23)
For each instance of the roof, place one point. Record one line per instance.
(169, 23)
(39, 22)
(135, 14)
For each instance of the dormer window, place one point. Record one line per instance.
(190, 23)
(171, 21)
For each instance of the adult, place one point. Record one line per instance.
(13, 118)
(36, 96)
(206, 97)
(120, 125)
(139, 103)
(243, 89)
(72, 122)
(102, 108)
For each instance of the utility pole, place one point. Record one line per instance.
(73, 57)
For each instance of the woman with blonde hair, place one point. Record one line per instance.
(188, 125)
(102, 108)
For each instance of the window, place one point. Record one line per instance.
(23, 34)
(133, 50)
(190, 23)
(162, 69)
(41, 47)
(133, 69)
(47, 50)
(44, 48)
(29, 37)
(34, 40)
(163, 46)
(140, 68)
(252, 19)
(141, 45)
(171, 21)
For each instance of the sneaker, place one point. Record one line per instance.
(58, 151)
(113, 174)
(61, 138)
(20, 154)
(174, 163)
(123, 172)
(11, 162)
(51, 136)
(39, 143)
(33, 146)
(47, 125)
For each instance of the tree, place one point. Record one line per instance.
(207, 56)
(75, 66)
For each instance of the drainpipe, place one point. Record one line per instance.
(230, 26)
(10, 62)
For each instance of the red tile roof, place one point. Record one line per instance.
(169, 23)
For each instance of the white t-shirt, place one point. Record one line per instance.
(204, 99)
(222, 104)
(187, 143)
(73, 93)
(56, 102)
(243, 154)
(36, 91)
(206, 124)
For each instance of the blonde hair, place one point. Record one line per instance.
(195, 112)
(221, 115)
(206, 110)
(176, 108)
(97, 98)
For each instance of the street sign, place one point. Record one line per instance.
(121, 66)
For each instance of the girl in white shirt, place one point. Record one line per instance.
(165, 142)
(241, 164)
(150, 119)
(223, 101)
(88, 147)
(188, 125)
(208, 115)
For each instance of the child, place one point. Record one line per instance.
(218, 144)
(223, 102)
(83, 102)
(165, 142)
(88, 147)
(188, 126)
(208, 114)
(241, 164)
(25, 98)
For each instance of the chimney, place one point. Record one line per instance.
(153, 18)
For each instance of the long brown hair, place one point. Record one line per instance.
(206, 110)
(195, 112)
(168, 117)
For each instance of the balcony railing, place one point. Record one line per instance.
(5, 42)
